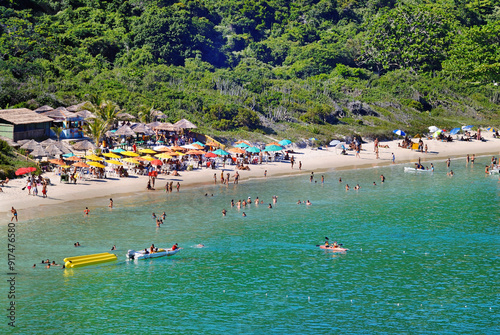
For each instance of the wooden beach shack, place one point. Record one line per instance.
(23, 123)
(71, 123)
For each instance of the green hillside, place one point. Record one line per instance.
(237, 67)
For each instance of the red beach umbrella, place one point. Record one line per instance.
(210, 155)
(157, 162)
(25, 170)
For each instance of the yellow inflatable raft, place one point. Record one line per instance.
(79, 261)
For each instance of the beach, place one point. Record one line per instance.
(312, 160)
(422, 248)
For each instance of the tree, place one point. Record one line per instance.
(413, 36)
(57, 131)
(475, 54)
(95, 128)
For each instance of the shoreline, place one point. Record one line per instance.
(317, 161)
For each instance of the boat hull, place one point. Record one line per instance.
(411, 169)
(332, 248)
(162, 252)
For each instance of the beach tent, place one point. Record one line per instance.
(334, 143)
(433, 129)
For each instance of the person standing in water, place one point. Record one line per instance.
(110, 203)
(14, 214)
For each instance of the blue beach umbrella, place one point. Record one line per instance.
(399, 132)
(199, 143)
(253, 150)
(467, 127)
(285, 142)
(69, 154)
(220, 152)
(273, 148)
(454, 131)
(117, 150)
(242, 145)
(313, 139)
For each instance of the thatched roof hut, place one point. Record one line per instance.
(185, 124)
(44, 108)
(61, 114)
(23, 123)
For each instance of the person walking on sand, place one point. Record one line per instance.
(44, 189)
(300, 165)
(14, 214)
(393, 158)
(375, 145)
(222, 177)
(376, 152)
(292, 160)
(215, 178)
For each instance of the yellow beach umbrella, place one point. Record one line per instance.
(129, 153)
(65, 166)
(180, 153)
(115, 162)
(94, 158)
(130, 160)
(147, 151)
(99, 165)
(111, 155)
(164, 155)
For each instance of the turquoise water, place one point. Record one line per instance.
(423, 258)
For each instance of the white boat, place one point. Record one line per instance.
(412, 169)
(495, 170)
(144, 254)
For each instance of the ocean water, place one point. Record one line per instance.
(423, 258)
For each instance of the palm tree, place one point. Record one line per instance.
(57, 131)
(95, 128)
(105, 110)
(146, 115)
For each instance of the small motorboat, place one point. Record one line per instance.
(144, 254)
(412, 169)
(333, 248)
(495, 170)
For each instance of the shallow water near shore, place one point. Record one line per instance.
(423, 257)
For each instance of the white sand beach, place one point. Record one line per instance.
(317, 160)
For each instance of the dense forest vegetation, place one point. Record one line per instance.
(292, 68)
